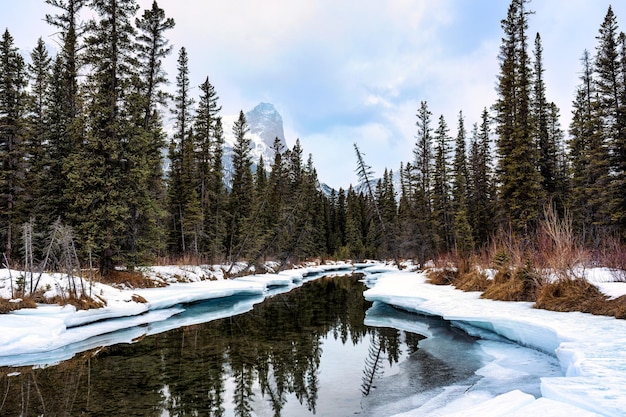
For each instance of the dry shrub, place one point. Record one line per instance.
(6, 306)
(138, 299)
(445, 276)
(131, 279)
(514, 285)
(574, 295)
(618, 306)
(473, 280)
(612, 254)
(81, 303)
(558, 249)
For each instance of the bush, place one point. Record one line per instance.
(6, 306)
(445, 276)
(474, 280)
(573, 295)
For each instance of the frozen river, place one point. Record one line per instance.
(321, 349)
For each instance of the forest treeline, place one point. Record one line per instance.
(83, 144)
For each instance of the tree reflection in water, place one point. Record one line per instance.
(274, 350)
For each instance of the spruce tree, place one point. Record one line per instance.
(13, 82)
(182, 177)
(520, 192)
(420, 178)
(66, 119)
(610, 108)
(37, 138)
(443, 216)
(215, 218)
(460, 177)
(204, 123)
(588, 158)
(241, 195)
(152, 48)
(482, 196)
(71, 32)
(546, 143)
(97, 169)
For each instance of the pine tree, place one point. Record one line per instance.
(588, 158)
(37, 140)
(520, 193)
(66, 119)
(421, 187)
(547, 160)
(215, 218)
(97, 180)
(423, 152)
(481, 200)
(182, 178)
(206, 116)
(145, 192)
(610, 109)
(443, 216)
(152, 48)
(460, 176)
(71, 30)
(13, 81)
(241, 195)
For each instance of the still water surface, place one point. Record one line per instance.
(306, 352)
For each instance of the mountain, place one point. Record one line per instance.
(265, 124)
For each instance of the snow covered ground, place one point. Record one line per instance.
(590, 349)
(51, 333)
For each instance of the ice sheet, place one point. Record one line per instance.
(589, 348)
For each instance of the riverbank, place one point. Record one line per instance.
(589, 348)
(51, 333)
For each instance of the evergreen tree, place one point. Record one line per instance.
(71, 30)
(152, 48)
(423, 152)
(588, 158)
(610, 85)
(421, 187)
(354, 224)
(97, 169)
(520, 193)
(145, 192)
(215, 218)
(13, 82)
(241, 195)
(609, 108)
(206, 117)
(546, 143)
(37, 140)
(443, 216)
(481, 200)
(66, 119)
(182, 178)
(460, 177)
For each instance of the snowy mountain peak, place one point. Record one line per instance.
(264, 124)
(265, 121)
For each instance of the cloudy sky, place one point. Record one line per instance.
(346, 71)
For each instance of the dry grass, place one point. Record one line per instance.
(474, 280)
(574, 295)
(132, 279)
(6, 306)
(81, 303)
(445, 276)
(519, 284)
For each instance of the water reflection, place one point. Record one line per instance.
(266, 362)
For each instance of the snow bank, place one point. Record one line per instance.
(51, 333)
(590, 349)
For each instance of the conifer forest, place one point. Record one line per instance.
(92, 143)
